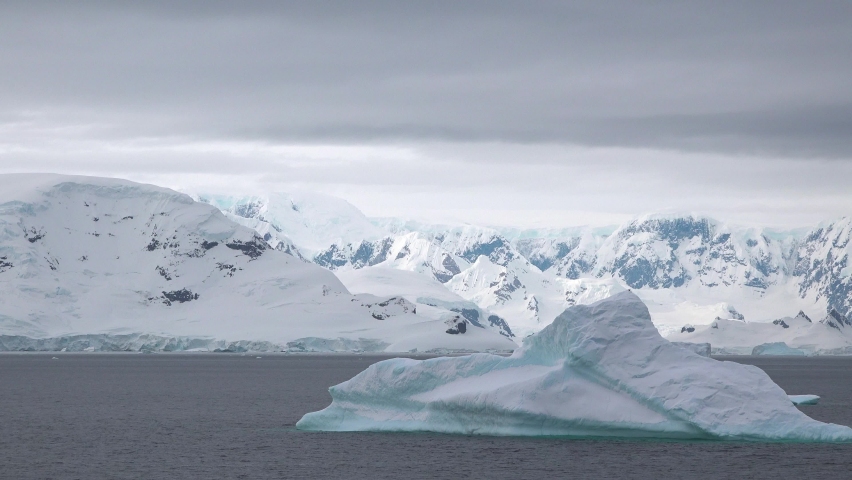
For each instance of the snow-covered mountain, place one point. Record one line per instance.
(822, 265)
(688, 269)
(110, 264)
(480, 266)
(312, 221)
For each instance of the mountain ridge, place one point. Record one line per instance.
(687, 256)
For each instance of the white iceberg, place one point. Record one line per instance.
(597, 370)
(804, 399)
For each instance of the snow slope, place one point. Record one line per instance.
(103, 258)
(597, 370)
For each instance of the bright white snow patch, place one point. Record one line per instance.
(599, 370)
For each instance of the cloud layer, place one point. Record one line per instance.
(604, 108)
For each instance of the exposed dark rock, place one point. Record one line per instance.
(757, 283)
(735, 314)
(498, 322)
(33, 235)
(229, 269)
(577, 266)
(153, 244)
(450, 264)
(780, 322)
(53, 263)
(371, 253)
(248, 210)
(469, 314)
(457, 326)
(450, 269)
(289, 250)
(532, 304)
(208, 245)
(333, 257)
(253, 248)
(505, 287)
(163, 273)
(5, 264)
(820, 260)
(529, 248)
(687, 329)
(496, 249)
(836, 320)
(404, 252)
(180, 296)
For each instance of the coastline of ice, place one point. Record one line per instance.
(597, 370)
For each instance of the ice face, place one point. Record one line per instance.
(597, 370)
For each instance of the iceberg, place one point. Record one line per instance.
(804, 399)
(598, 370)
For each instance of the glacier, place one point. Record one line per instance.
(598, 370)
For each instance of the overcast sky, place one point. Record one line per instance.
(530, 113)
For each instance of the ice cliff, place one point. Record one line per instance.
(597, 370)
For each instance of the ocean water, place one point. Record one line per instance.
(230, 416)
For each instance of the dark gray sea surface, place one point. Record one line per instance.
(94, 416)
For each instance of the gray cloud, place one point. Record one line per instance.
(525, 113)
(768, 78)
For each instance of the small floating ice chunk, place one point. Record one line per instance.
(54, 358)
(804, 399)
(597, 370)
